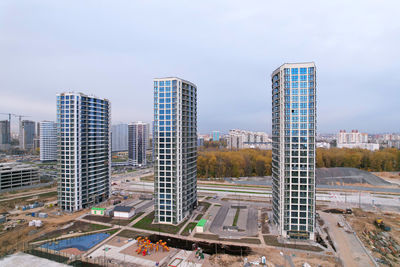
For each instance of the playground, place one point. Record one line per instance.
(145, 249)
(145, 252)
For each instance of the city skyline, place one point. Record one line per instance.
(73, 55)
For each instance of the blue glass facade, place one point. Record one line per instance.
(293, 153)
(175, 149)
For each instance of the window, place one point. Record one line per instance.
(303, 77)
(295, 71)
(295, 78)
(303, 70)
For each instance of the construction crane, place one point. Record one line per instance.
(9, 116)
(15, 115)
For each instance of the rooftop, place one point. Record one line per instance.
(16, 166)
(123, 208)
(202, 222)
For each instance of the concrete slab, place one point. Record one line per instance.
(26, 260)
(229, 217)
(242, 221)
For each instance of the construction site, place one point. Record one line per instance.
(230, 227)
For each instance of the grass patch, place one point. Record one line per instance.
(272, 240)
(49, 194)
(206, 205)
(235, 220)
(254, 241)
(113, 231)
(147, 224)
(96, 227)
(137, 215)
(131, 234)
(198, 217)
(188, 228)
(76, 227)
(208, 198)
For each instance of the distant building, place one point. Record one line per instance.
(83, 150)
(239, 139)
(36, 139)
(48, 141)
(354, 139)
(175, 148)
(394, 143)
(200, 141)
(323, 145)
(5, 135)
(215, 135)
(138, 142)
(368, 146)
(119, 137)
(234, 141)
(15, 175)
(26, 134)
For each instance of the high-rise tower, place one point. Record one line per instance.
(175, 149)
(5, 135)
(119, 137)
(293, 149)
(138, 142)
(27, 134)
(48, 141)
(84, 150)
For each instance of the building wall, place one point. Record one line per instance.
(138, 142)
(15, 175)
(119, 137)
(84, 150)
(215, 135)
(48, 141)
(5, 135)
(27, 134)
(293, 149)
(175, 148)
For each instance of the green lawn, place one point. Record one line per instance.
(236, 217)
(147, 224)
(198, 217)
(95, 227)
(189, 227)
(206, 205)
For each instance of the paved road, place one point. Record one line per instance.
(350, 250)
(219, 219)
(352, 198)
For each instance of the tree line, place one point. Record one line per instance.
(216, 163)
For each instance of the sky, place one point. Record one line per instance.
(114, 49)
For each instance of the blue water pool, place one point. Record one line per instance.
(82, 243)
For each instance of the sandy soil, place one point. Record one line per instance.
(118, 241)
(273, 258)
(155, 256)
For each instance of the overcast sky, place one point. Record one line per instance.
(114, 49)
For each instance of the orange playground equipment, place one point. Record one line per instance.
(145, 246)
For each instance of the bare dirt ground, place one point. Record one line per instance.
(15, 238)
(273, 258)
(363, 223)
(391, 175)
